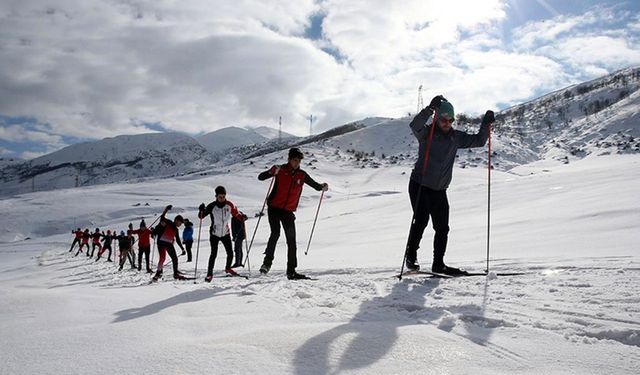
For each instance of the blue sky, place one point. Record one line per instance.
(81, 70)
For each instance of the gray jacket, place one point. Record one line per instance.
(443, 150)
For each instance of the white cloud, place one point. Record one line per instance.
(94, 68)
(17, 133)
(588, 45)
(603, 51)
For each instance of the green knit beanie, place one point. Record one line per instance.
(446, 110)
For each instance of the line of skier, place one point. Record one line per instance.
(227, 227)
(111, 241)
(438, 143)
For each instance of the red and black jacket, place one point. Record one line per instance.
(287, 187)
(168, 232)
(144, 236)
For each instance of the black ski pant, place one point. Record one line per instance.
(93, 249)
(146, 251)
(237, 248)
(163, 249)
(80, 248)
(127, 254)
(287, 219)
(226, 241)
(105, 248)
(73, 244)
(188, 244)
(432, 203)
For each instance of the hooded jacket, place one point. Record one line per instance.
(443, 149)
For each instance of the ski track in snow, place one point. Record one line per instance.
(551, 299)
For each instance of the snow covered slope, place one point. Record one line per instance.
(270, 133)
(109, 160)
(572, 229)
(600, 116)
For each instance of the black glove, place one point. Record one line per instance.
(488, 118)
(436, 101)
(201, 207)
(168, 208)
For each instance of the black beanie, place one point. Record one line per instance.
(295, 153)
(221, 190)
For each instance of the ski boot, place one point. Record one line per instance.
(208, 278)
(264, 269)
(444, 269)
(412, 265)
(293, 275)
(231, 272)
(157, 276)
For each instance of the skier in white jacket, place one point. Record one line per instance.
(220, 211)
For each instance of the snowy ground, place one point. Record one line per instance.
(573, 229)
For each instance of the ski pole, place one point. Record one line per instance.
(416, 206)
(153, 251)
(259, 217)
(246, 243)
(314, 223)
(488, 198)
(195, 271)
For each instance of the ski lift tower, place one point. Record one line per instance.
(280, 129)
(310, 124)
(420, 102)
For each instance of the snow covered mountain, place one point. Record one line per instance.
(109, 160)
(270, 133)
(217, 142)
(596, 117)
(4, 162)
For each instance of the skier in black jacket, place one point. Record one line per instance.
(238, 236)
(125, 242)
(106, 238)
(432, 174)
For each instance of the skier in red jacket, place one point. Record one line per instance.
(144, 245)
(77, 239)
(282, 203)
(168, 232)
(96, 242)
(85, 242)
